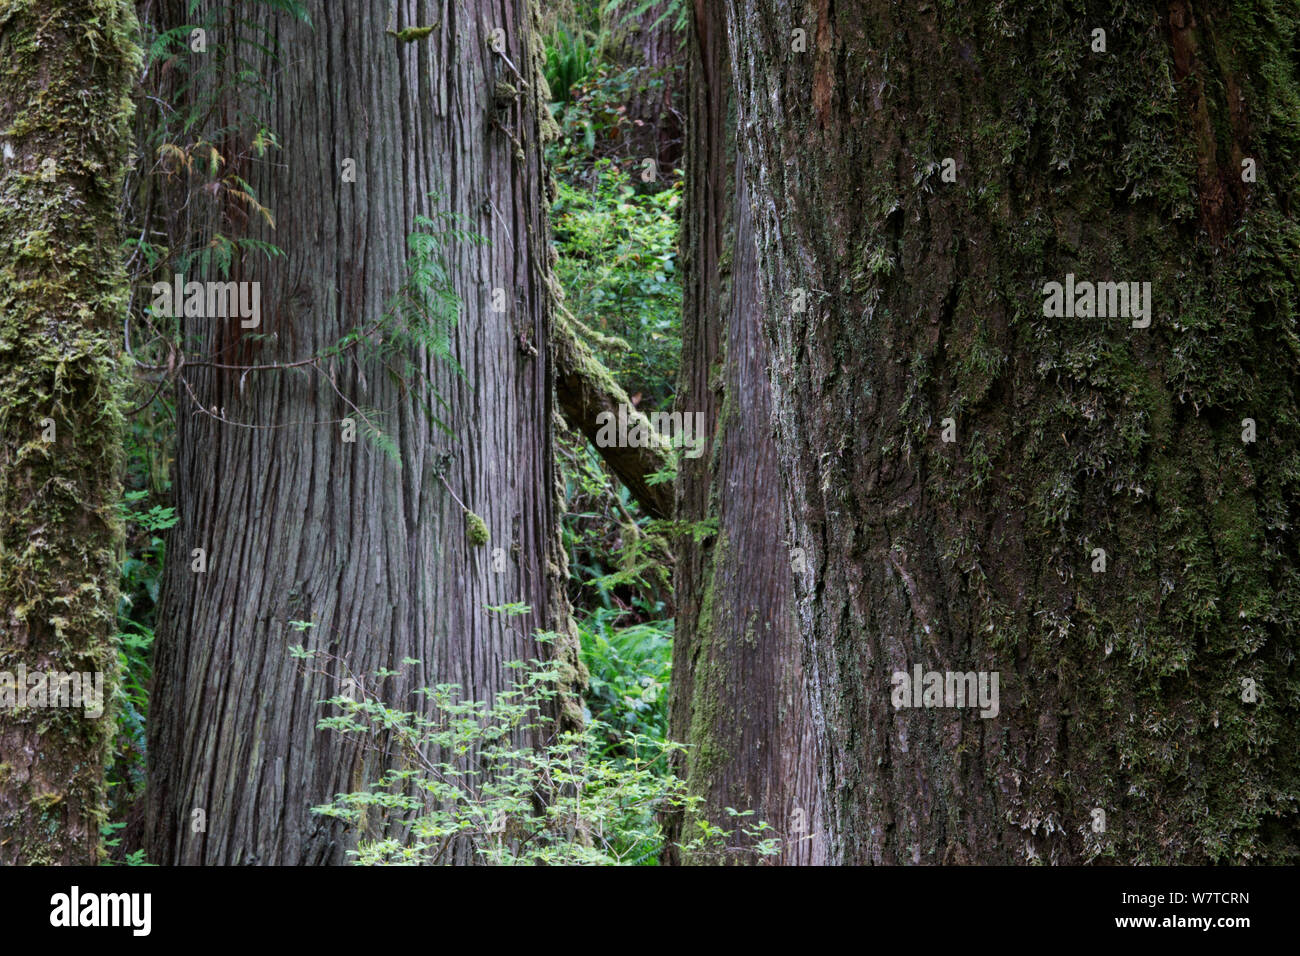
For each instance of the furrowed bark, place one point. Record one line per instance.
(901, 302)
(739, 699)
(299, 525)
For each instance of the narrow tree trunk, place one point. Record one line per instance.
(298, 525)
(738, 687)
(651, 43)
(65, 120)
(1147, 711)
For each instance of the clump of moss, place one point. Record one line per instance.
(46, 801)
(476, 530)
(411, 34)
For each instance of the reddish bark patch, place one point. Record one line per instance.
(823, 79)
(1220, 190)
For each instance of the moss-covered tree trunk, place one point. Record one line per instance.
(298, 524)
(739, 697)
(922, 171)
(66, 72)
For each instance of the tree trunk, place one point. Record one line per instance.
(1147, 711)
(738, 685)
(650, 43)
(299, 525)
(65, 120)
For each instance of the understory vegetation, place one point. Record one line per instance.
(615, 225)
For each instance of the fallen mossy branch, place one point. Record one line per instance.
(585, 389)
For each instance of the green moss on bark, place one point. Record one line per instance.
(1120, 690)
(65, 113)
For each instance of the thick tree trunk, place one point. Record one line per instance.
(738, 688)
(299, 525)
(899, 298)
(65, 120)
